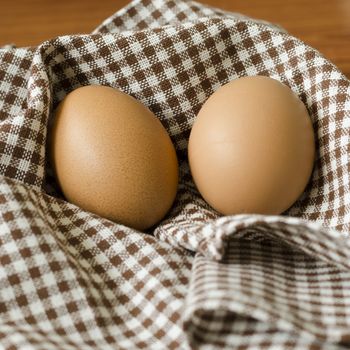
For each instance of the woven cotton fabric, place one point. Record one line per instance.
(72, 280)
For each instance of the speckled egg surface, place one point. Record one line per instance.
(112, 156)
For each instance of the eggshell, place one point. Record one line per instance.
(113, 157)
(252, 147)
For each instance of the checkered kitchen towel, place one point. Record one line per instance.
(73, 280)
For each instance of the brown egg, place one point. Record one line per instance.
(252, 147)
(113, 157)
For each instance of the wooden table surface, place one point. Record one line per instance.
(323, 24)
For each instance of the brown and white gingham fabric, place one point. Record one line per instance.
(72, 280)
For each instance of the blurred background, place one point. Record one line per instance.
(323, 24)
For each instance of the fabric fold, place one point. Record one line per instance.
(210, 239)
(71, 279)
(271, 287)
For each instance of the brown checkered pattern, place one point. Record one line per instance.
(73, 280)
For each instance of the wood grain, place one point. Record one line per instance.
(323, 24)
